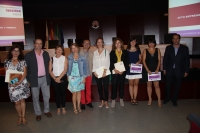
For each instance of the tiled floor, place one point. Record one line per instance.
(139, 118)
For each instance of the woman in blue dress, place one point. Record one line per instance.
(76, 75)
(134, 56)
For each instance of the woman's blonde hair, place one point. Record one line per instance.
(76, 45)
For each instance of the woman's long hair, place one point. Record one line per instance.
(115, 40)
(129, 43)
(21, 54)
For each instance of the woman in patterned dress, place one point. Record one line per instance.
(18, 91)
(76, 75)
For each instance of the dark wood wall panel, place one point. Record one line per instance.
(29, 34)
(82, 29)
(40, 29)
(123, 27)
(69, 30)
(163, 25)
(151, 25)
(137, 24)
(196, 45)
(109, 29)
(95, 33)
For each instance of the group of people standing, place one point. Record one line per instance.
(75, 73)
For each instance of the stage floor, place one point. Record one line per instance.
(139, 118)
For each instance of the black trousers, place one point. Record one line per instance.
(177, 85)
(103, 92)
(60, 91)
(118, 79)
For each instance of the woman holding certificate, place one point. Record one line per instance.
(76, 76)
(57, 70)
(117, 65)
(18, 87)
(151, 61)
(101, 65)
(134, 59)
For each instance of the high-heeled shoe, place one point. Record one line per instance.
(19, 121)
(101, 105)
(79, 110)
(132, 101)
(149, 102)
(106, 103)
(135, 102)
(58, 112)
(63, 111)
(24, 121)
(159, 103)
(75, 111)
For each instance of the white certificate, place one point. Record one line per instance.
(8, 72)
(136, 68)
(154, 76)
(119, 66)
(99, 71)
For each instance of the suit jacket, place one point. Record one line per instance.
(113, 59)
(181, 61)
(32, 68)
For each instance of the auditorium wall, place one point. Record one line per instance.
(123, 26)
(109, 26)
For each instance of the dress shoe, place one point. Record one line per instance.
(83, 106)
(90, 105)
(48, 114)
(175, 104)
(38, 117)
(165, 101)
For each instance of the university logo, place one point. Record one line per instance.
(95, 24)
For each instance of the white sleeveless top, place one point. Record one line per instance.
(58, 65)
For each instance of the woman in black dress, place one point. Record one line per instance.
(151, 61)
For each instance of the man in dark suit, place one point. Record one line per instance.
(176, 65)
(38, 77)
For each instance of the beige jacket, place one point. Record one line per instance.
(89, 60)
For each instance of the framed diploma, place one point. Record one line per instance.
(99, 71)
(154, 76)
(136, 68)
(13, 74)
(120, 66)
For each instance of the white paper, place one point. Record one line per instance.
(8, 72)
(99, 71)
(136, 68)
(119, 66)
(154, 76)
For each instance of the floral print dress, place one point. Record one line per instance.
(22, 91)
(75, 81)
